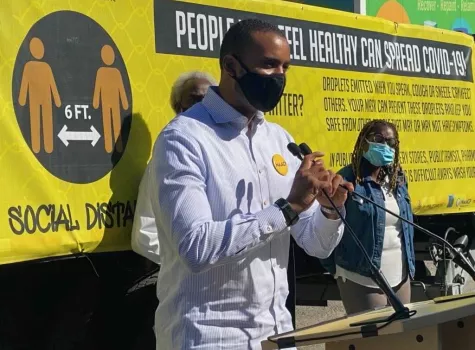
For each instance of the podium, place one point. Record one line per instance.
(445, 323)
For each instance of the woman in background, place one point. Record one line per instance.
(376, 173)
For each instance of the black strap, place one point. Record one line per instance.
(285, 343)
(369, 330)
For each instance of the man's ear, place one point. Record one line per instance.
(230, 66)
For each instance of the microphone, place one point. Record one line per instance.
(295, 150)
(305, 148)
(401, 312)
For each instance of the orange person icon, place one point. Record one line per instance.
(37, 82)
(109, 93)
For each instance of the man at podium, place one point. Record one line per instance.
(227, 194)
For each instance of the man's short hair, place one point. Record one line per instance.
(178, 86)
(239, 37)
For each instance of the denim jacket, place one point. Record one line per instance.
(369, 222)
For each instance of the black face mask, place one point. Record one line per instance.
(262, 91)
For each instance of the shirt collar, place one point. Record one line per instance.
(222, 112)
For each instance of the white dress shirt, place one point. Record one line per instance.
(223, 243)
(144, 230)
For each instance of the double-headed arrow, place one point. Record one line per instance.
(65, 136)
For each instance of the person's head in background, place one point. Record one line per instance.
(254, 58)
(377, 152)
(188, 89)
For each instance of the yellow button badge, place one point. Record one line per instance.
(280, 165)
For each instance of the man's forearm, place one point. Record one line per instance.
(214, 243)
(318, 234)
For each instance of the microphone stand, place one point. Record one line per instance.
(401, 312)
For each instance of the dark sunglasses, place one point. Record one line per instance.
(378, 138)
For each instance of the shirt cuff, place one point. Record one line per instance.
(329, 227)
(271, 220)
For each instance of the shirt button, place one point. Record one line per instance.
(269, 228)
(265, 202)
(260, 171)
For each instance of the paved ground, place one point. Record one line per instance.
(308, 315)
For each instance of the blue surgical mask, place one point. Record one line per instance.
(379, 154)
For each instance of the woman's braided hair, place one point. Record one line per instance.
(392, 170)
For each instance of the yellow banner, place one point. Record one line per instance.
(77, 76)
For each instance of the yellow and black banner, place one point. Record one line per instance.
(84, 91)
